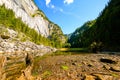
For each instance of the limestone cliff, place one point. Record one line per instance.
(30, 15)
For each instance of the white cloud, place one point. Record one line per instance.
(50, 5)
(47, 2)
(68, 1)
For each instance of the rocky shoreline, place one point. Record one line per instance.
(7, 46)
(12, 41)
(16, 55)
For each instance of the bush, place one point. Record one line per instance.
(96, 47)
(67, 45)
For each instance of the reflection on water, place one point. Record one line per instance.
(70, 53)
(82, 53)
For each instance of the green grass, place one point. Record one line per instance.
(35, 73)
(114, 75)
(46, 74)
(36, 64)
(64, 67)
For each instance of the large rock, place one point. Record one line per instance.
(26, 74)
(17, 65)
(11, 65)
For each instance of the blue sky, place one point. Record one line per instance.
(71, 14)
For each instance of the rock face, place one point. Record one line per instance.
(29, 13)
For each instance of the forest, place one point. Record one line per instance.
(102, 32)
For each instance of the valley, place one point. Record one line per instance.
(34, 48)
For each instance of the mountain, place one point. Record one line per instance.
(105, 29)
(76, 38)
(31, 16)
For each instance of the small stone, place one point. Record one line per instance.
(73, 63)
(110, 61)
(5, 36)
(103, 77)
(89, 77)
(1, 51)
(27, 49)
(106, 67)
(90, 65)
